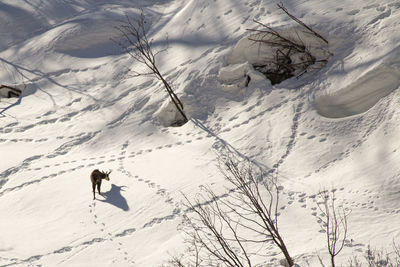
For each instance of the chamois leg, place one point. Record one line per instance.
(98, 188)
(94, 187)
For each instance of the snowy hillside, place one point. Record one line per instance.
(81, 109)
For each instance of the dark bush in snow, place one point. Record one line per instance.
(281, 54)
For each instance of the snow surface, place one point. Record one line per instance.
(336, 128)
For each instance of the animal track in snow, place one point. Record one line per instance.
(41, 179)
(228, 12)
(378, 120)
(108, 235)
(233, 118)
(371, 6)
(292, 138)
(353, 12)
(175, 213)
(12, 127)
(93, 241)
(39, 140)
(381, 16)
(13, 124)
(262, 113)
(72, 166)
(29, 161)
(150, 184)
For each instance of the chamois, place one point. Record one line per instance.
(96, 177)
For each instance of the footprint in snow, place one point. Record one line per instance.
(371, 6)
(13, 124)
(381, 16)
(201, 26)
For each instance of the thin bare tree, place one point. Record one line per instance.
(233, 228)
(135, 42)
(333, 222)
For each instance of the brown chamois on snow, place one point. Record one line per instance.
(96, 177)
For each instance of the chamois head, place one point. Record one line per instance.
(106, 175)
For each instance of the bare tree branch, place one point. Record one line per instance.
(136, 44)
(280, 5)
(233, 228)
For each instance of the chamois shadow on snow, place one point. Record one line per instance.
(115, 198)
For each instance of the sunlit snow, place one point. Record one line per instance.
(335, 127)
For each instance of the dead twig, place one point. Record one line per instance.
(280, 5)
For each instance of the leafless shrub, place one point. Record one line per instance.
(381, 258)
(239, 226)
(188, 259)
(333, 222)
(292, 54)
(134, 41)
(354, 262)
(378, 258)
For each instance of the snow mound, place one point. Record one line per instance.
(238, 76)
(258, 53)
(88, 40)
(168, 115)
(267, 53)
(21, 20)
(94, 35)
(361, 95)
(22, 23)
(235, 76)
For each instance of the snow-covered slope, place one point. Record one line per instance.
(337, 128)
